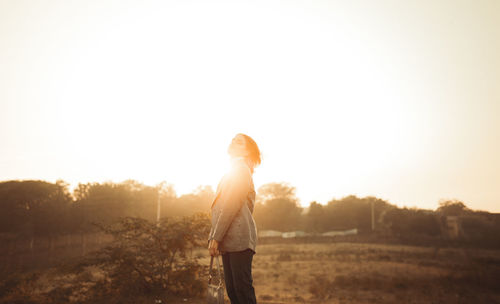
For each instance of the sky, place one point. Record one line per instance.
(387, 98)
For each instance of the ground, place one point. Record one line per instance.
(374, 273)
(344, 272)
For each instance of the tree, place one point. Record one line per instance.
(107, 202)
(34, 208)
(452, 207)
(197, 201)
(316, 218)
(277, 207)
(272, 191)
(354, 212)
(405, 222)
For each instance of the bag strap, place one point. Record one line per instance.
(218, 268)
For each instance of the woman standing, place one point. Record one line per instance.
(233, 233)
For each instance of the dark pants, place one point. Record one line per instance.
(238, 276)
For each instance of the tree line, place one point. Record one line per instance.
(35, 208)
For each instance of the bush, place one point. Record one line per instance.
(20, 289)
(144, 259)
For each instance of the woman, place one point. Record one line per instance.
(233, 233)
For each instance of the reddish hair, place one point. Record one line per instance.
(253, 151)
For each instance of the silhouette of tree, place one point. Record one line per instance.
(105, 203)
(34, 208)
(277, 207)
(412, 222)
(316, 220)
(354, 212)
(272, 191)
(197, 201)
(452, 207)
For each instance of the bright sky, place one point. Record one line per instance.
(386, 98)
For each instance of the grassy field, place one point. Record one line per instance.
(343, 272)
(374, 273)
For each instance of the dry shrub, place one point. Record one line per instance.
(143, 260)
(20, 289)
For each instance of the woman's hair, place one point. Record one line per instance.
(253, 150)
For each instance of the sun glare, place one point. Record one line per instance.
(155, 91)
(145, 108)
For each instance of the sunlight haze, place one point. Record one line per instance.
(385, 98)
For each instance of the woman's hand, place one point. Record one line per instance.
(213, 248)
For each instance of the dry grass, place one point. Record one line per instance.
(374, 273)
(356, 273)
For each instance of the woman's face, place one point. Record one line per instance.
(238, 147)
